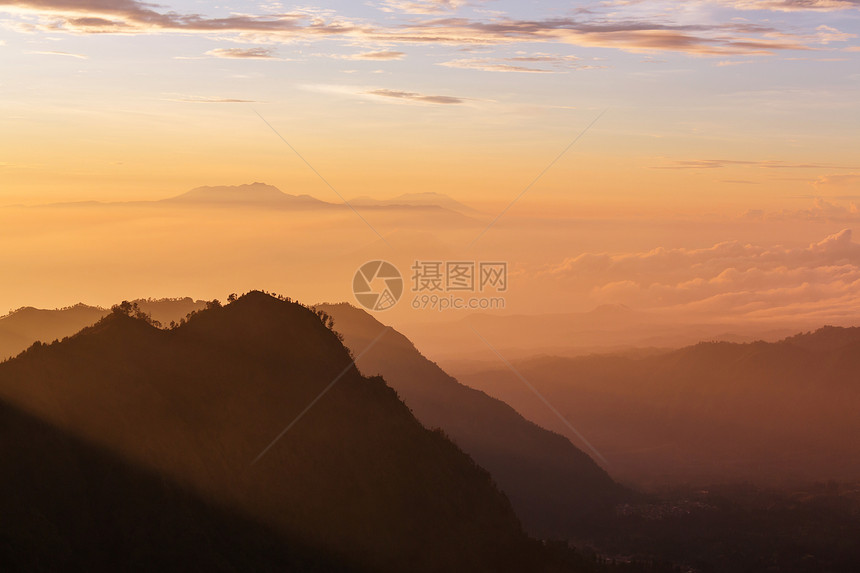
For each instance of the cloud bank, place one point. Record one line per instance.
(727, 280)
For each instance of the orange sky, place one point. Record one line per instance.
(723, 122)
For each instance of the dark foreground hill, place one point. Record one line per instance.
(769, 413)
(556, 489)
(356, 477)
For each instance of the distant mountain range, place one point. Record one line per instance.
(262, 195)
(607, 328)
(135, 426)
(768, 413)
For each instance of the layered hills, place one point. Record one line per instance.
(769, 413)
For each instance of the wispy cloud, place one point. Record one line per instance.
(721, 163)
(726, 63)
(374, 56)
(821, 210)
(550, 63)
(415, 97)
(794, 5)
(838, 179)
(827, 34)
(129, 16)
(736, 38)
(208, 99)
(420, 6)
(243, 53)
(56, 53)
(491, 65)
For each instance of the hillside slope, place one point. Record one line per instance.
(555, 488)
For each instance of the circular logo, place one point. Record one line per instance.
(377, 285)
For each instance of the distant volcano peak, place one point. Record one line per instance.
(254, 193)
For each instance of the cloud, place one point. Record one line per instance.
(208, 99)
(129, 16)
(420, 6)
(551, 63)
(794, 5)
(726, 63)
(491, 65)
(243, 53)
(735, 38)
(824, 210)
(589, 28)
(821, 210)
(838, 179)
(415, 97)
(769, 164)
(386, 55)
(826, 34)
(55, 53)
(727, 280)
(374, 56)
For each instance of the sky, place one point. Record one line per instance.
(605, 131)
(704, 98)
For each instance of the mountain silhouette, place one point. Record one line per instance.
(770, 413)
(264, 196)
(251, 194)
(356, 475)
(827, 339)
(555, 488)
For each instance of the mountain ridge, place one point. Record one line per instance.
(555, 487)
